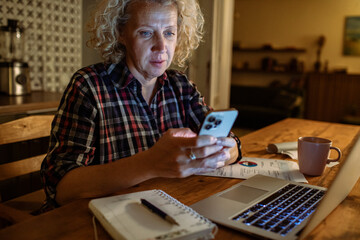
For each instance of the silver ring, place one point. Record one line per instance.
(192, 156)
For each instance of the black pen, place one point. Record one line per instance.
(158, 211)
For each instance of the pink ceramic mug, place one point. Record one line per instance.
(313, 155)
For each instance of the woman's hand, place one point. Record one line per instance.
(230, 148)
(181, 153)
(170, 157)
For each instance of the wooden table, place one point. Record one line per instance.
(74, 221)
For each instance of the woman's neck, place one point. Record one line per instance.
(149, 89)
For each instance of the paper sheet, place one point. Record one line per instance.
(249, 167)
(287, 148)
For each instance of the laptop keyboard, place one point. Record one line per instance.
(283, 210)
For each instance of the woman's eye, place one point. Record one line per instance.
(169, 34)
(145, 33)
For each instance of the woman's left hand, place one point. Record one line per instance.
(181, 153)
(230, 148)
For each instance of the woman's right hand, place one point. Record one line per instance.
(171, 155)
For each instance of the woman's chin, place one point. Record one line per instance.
(158, 71)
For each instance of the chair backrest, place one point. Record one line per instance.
(21, 176)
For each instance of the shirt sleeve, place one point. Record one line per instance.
(72, 136)
(198, 108)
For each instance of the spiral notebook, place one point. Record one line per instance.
(124, 217)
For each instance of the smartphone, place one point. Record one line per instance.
(218, 123)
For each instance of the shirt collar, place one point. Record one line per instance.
(121, 76)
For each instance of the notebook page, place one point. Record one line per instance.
(135, 221)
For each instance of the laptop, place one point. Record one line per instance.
(274, 208)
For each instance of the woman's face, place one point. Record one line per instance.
(150, 39)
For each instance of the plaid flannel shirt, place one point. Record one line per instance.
(103, 117)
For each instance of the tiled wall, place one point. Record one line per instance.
(52, 38)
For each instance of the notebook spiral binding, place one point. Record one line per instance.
(186, 208)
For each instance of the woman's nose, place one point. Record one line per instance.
(159, 44)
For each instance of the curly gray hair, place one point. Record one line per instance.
(112, 15)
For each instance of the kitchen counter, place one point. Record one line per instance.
(36, 102)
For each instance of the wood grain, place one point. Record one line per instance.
(74, 220)
(21, 167)
(330, 97)
(18, 178)
(26, 128)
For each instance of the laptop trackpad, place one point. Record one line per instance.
(243, 194)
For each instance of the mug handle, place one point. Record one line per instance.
(335, 159)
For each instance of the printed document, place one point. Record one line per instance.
(249, 167)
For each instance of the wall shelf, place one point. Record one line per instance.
(279, 63)
(264, 72)
(270, 50)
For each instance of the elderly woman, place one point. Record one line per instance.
(131, 119)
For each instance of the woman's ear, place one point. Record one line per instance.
(121, 38)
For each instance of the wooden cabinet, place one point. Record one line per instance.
(332, 97)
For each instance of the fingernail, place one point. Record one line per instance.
(219, 147)
(220, 164)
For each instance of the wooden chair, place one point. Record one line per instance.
(20, 182)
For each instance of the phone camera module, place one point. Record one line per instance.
(217, 122)
(211, 119)
(208, 126)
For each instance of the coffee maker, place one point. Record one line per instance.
(14, 73)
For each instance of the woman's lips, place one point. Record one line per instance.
(157, 62)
